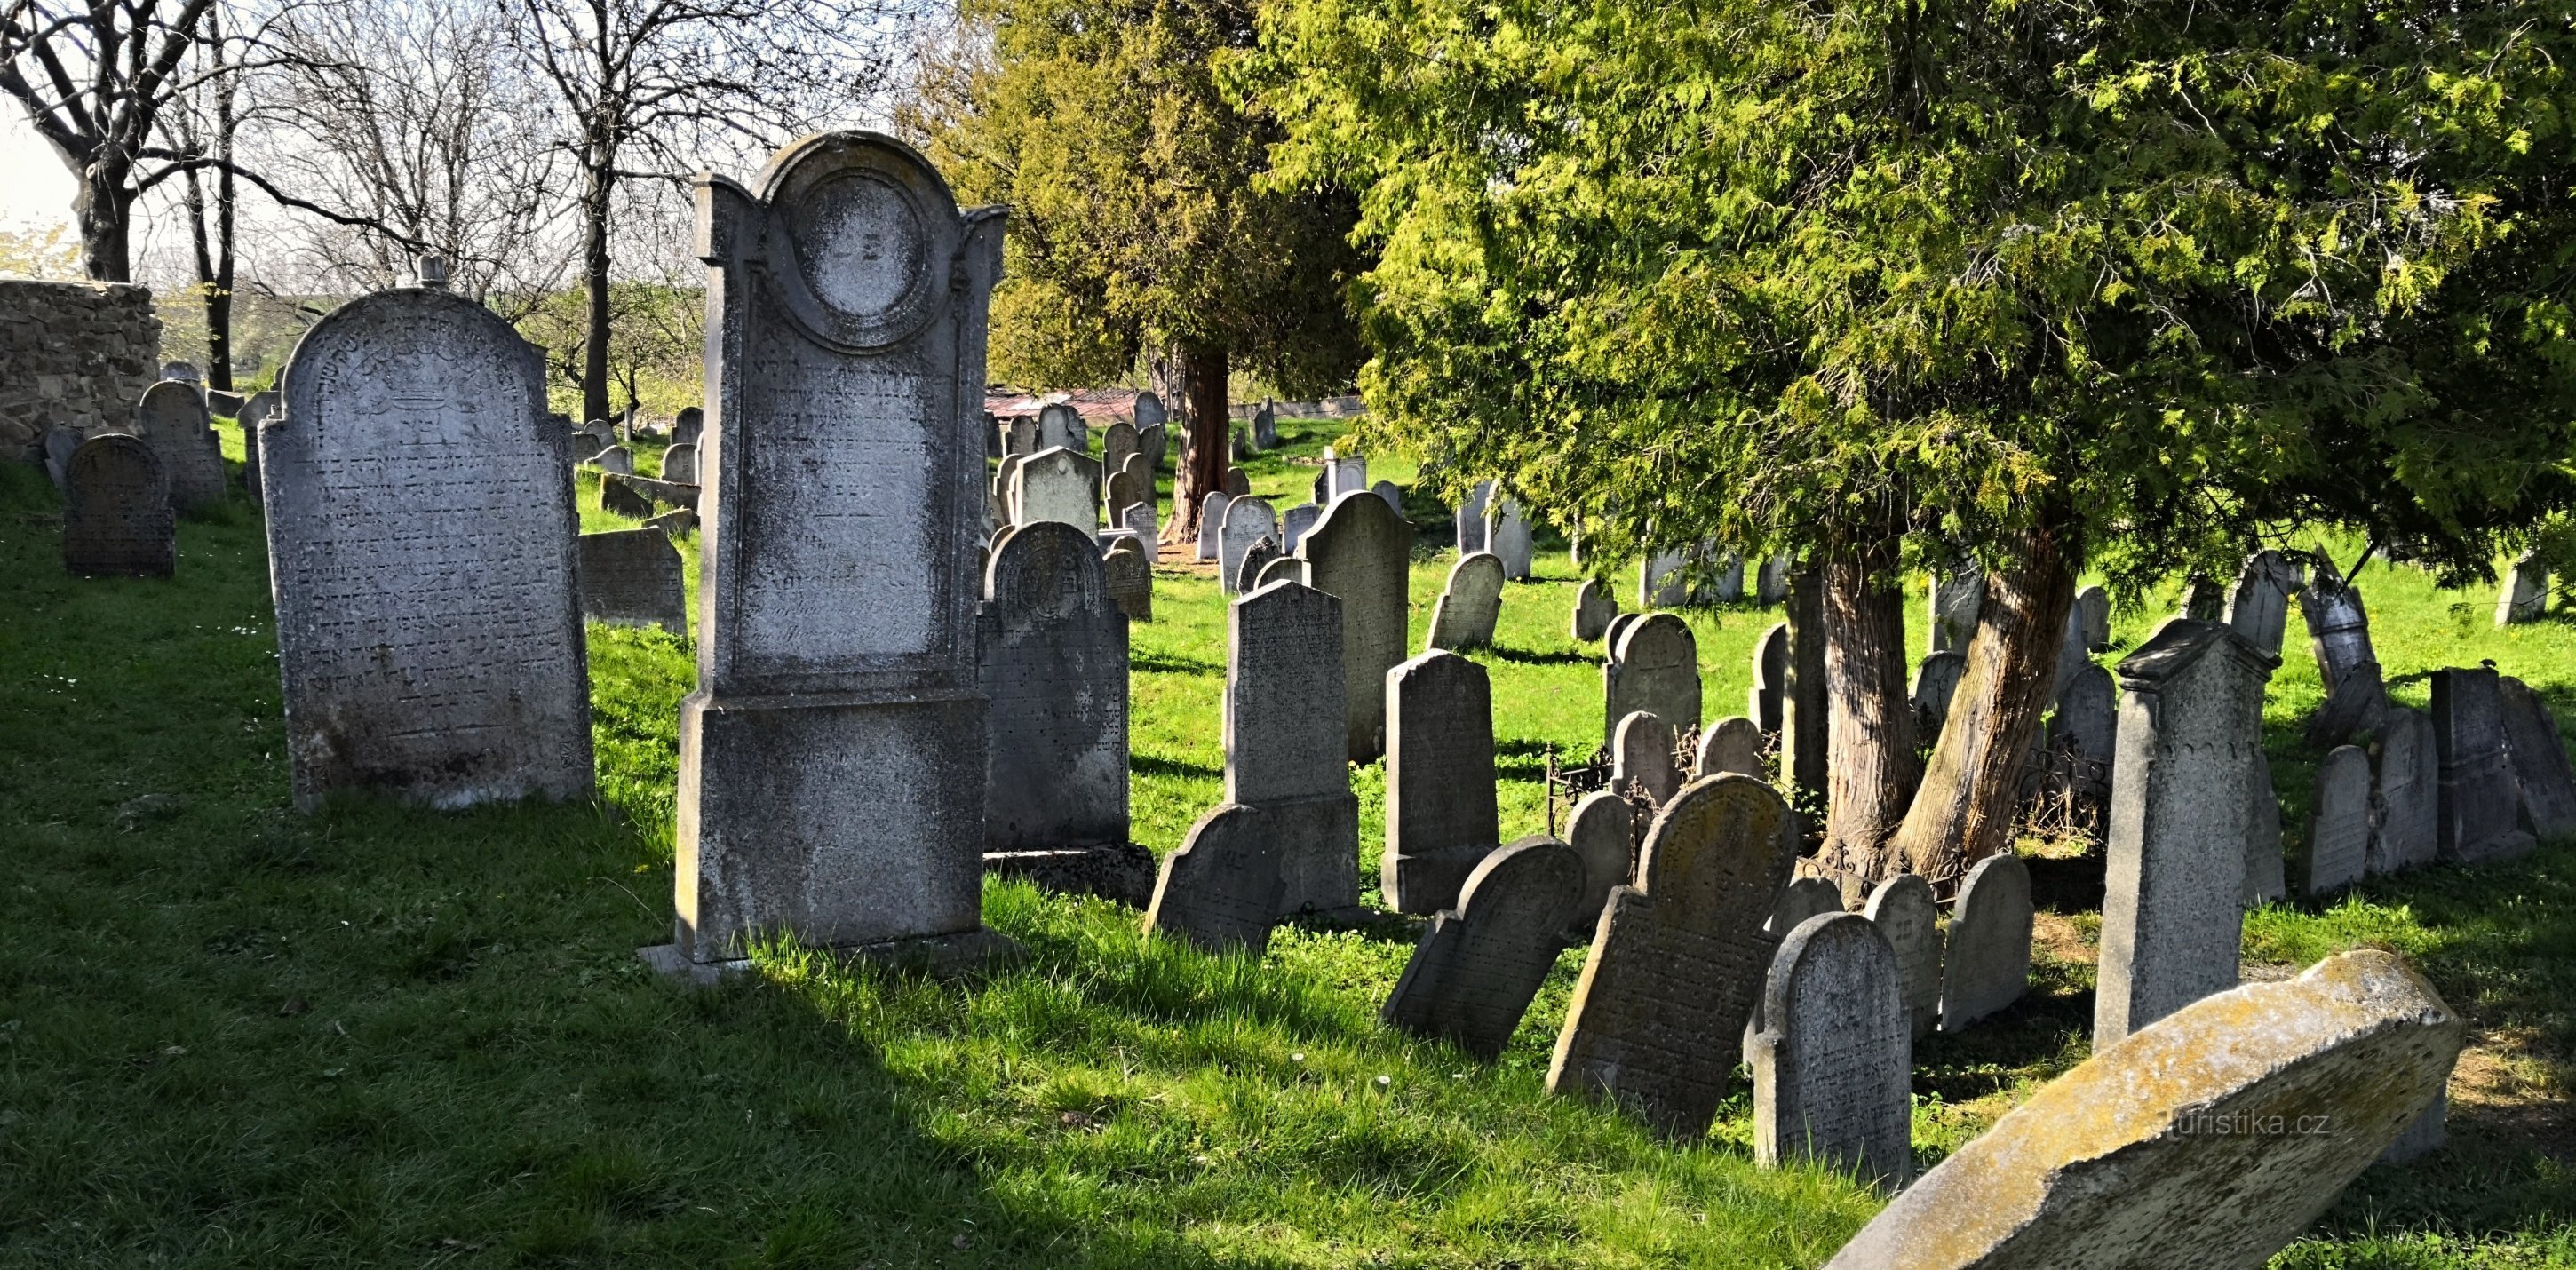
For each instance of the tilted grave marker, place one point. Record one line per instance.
(1478, 964)
(1294, 524)
(2259, 606)
(2539, 759)
(1470, 605)
(631, 577)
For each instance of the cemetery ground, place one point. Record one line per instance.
(234, 1034)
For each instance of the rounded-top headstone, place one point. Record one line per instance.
(171, 419)
(1654, 667)
(116, 510)
(1832, 1065)
(1909, 916)
(1358, 552)
(1732, 744)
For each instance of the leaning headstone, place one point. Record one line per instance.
(1247, 521)
(2338, 841)
(1129, 576)
(1212, 522)
(2525, 595)
(2479, 798)
(1732, 744)
(171, 419)
(2191, 708)
(675, 522)
(1655, 668)
(1679, 958)
(1770, 678)
(2259, 607)
(1603, 831)
(2338, 626)
(2266, 871)
(1472, 976)
(1986, 966)
(261, 407)
(1223, 889)
(2407, 831)
(1117, 445)
(618, 494)
(1833, 1064)
(1052, 652)
(1936, 681)
(2095, 604)
(1394, 497)
(1593, 609)
(1238, 483)
(616, 460)
(1057, 484)
(1358, 552)
(1284, 721)
(2539, 759)
(631, 577)
(1642, 757)
(680, 464)
(1256, 558)
(2209, 1140)
(1059, 424)
(832, 761)
(1507, 535)
(690, 427)
(1905, 912)
(2353, 707)
(117, 520)
(1440, 810)
(1470, 604)
(422, 555)
(1283, 569)
(1471, 519)
(1265, 428)
(1956, 599)
(1295, 522)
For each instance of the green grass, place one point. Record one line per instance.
(232, 1034)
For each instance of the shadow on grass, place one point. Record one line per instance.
(1149, 765)
(1536, 657)
(1172, 664)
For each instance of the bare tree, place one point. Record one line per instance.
(94, 80)
(652, 89)
(205, 121)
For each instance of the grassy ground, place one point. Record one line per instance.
(231, 1034)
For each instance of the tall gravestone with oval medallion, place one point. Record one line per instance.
(832, 758)
(422, 552)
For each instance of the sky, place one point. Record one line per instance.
(35, 189)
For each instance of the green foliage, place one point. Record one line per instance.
(2165, 276)
(656, 344)
(1136, 227)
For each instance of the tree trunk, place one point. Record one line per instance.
(1207, 444)
(1870, 768)
(105, 208)
(219, 299)
(1802, 700)
(1966, 808)
(597, 184)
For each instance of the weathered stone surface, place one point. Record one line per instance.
(675, 523)
(1471, 519)
(1594, 608)
(1440, 811)
(1057, 484)
(1358, 552)
(1732, 744)
(74, 356)
(2479, 798)
(1726, 586)
(1907, 915)
(2087, 716)
(1265, 428)
(1802, 692)
(1283, 720)
(2266, 874)
(1935, 682)
(1661, 580)
(171, 419)
(2176, 877)
(2539, 759)
(1059, 424)
(1654, 667)
(1477, 967)
(1123, 872)
(1343, 476)
(1256, 558)
(1139, 519)
(1128, 488)
(2352, 708)
(1295, 522)
(1247, 521)
(2407, 834)
(1678, 959)
(1470, 604)
(1986, 966)
(2338, 625)
(2525, 594)
(261, 407)
(631, 577)
(680, 465)
(56, 446)
(1212, 522)
(117, 520)
(2210, 1140)
(1770, 678)
(1955, 601)
(618, 494)
(1603, 831)
(832, 760)
(1129, 577)
(1222, 889)
(421, 553)
(1153, 441)
(2338, 842)
(2203, 600)
(1642, 757)
(1394, 497)
(616, 459)
(1054, 668)
(2259, 606)
(689, 428)
(2094, 604)
(2073, 652)
(1508, 536)
(1283, 569)
(1833, 1064)
(1801, 899)
(1771, 581)
(1238, 483)
(1117, 445)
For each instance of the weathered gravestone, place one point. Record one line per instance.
(1283, 722)
(1019, 435)
(1128, 488)
(1265, 427)
(1258, 557)
(618, 494)
(1802, 692)
(2087, 717)
(1053, 658)
(1129, 576)
(1593, 609)
(1905, 912)
(421, 542)
(57, 445)
(1770, 678)
(631, 577)
(2479, 799)
(2353, 707)
(1771, 580)
(690, 427)
(1343, 477)
(2073, 652)
(675, 522)
(1610, 634)
(2539, 759)
(1294, 524)
(1507, 535)
(832, 760)
(1955, 600)
(1986, 966)
(1117, 445)
(1602, 829)
(183, 373)
(2338, 842)
(616, 460)
(2338, 626)
(1468, 607)
(1803, 898)
(1247, 521)
(1642, 757)
(117, 520)
(2525, 595)
(2202, 599)
(1936, 681)
(1059, 424)
(1393, 495)
(2094, 605)
(1440, 810)
(171, 419)
(1357, 551)
(1153, 441)
(1472, 976)
(2190, 713)
(1654, 667)
(1726, 586)
(2266, 871)
(1732, 744)
(2209, 1140)
(2407, 833)
(1283, 569)
(1238, 483)
(1661, 583)
(1139, 519)
(1057, 484)
(1471, 519)
(2259, 606)
(1833, 1064)
(1212, 522)
(1678, 959)
(261, 407)
(680, 465)
(1222, 890)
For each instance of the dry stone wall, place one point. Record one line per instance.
(73, 355)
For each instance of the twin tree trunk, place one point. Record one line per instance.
(1870, 767)
(1207, 446)
(106, 212)
(597, 186)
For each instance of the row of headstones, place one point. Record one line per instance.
(1243, 534)
(122, 490)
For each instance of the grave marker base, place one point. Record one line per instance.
(1124, 872)
(939, 956)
